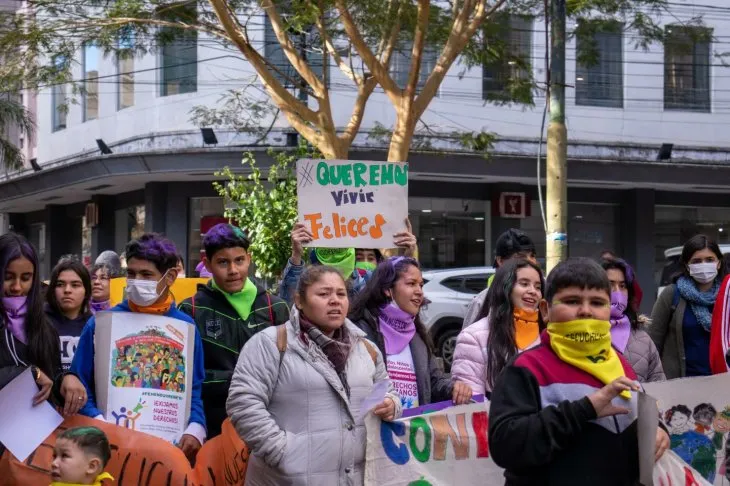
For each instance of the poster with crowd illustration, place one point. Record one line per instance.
(697, 413)
(145, 383)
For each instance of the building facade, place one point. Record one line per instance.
(648, 154)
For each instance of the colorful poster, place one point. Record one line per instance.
(347, 203)
(145, 383)
(140, 460)
(697, 413)
(440, 448)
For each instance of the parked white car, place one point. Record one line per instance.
(672, 266)
(450, 292)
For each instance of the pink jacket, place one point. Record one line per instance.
(470, 356)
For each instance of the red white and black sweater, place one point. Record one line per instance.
(543, 429)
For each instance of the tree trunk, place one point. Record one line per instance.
(400, 142)
(557, 146)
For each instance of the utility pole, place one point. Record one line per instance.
(557, 143)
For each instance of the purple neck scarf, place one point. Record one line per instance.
(15, 311)
(99, 306)
(620, 323)
(397, 327)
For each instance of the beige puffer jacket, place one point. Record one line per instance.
(292, 410)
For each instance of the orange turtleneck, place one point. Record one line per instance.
(160, 308)
(527, 328)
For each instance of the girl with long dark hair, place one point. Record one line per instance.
(27, 339)
(508, 324)
(67, 305)
(682, 315)
(626, 333)
(387, 310)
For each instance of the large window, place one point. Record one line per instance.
(125, 69)
(599, 79)
(687, 69)
(179, 62)
(308, 44)
(509, 39)
(58, 102)
(401, 65)
(91, 60)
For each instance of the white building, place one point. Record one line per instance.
(619, 113)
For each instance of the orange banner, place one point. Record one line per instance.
(182, 289)
(139, 459)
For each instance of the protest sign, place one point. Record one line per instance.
(140, 460)
(440, 448)
(346, 203)
(143, 372)
(671, 470)
(182, 289)
(697, 413)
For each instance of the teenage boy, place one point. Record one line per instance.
(151, 262)
(565, 413)
(228, 311)
(511, 244)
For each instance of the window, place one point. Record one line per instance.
(91, 82)
(310, 47)
(58, 101)
(453, 283)
(401, 65)
(599, 81)
(687, 69)
(21, 143)
(125, 69)
(179, 61)
(511, 37)
(474, 284)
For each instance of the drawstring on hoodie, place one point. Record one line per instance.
(11, 340)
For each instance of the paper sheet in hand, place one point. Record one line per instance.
(376, 397)
(23, 427)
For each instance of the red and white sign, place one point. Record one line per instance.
(513, 205)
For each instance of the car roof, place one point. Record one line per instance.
(447, 272)
(677, 250)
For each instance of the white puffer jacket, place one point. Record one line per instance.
(293, 413)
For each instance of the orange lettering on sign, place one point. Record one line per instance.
(341, 227)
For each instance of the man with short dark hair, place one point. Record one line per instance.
(228, 310)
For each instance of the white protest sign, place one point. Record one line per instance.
(440, 448)
(347, 203)
(146, 379)
(697, 413)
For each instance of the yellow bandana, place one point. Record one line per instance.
(97, 482)
(586, 344)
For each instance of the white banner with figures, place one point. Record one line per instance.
(440, 448)
(146, 379)
(697, 413)
(347, 203)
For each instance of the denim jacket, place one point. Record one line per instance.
(290, 279)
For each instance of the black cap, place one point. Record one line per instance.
(512, 242)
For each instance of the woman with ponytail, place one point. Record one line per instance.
(509, 324)
(388, 311)
(27, 339)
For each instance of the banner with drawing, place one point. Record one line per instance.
(145, 382)
(697, 413)
(347, 203)
(440, 448)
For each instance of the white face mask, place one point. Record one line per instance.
(144, 292)
(703, 272)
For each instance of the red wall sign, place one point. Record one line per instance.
(515, 205)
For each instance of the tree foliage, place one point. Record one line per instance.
(266, 207)
(13, 116)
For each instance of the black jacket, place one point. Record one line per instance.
(69, 331)
(433, 384)
(224, 334)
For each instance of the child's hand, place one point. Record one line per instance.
(601, 400)
(190, 447)
(662, 443)
(461, 394)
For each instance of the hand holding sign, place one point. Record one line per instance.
(300, 237)
(347, 204)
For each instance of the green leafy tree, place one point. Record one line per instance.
(266, 207)
(13, 116)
